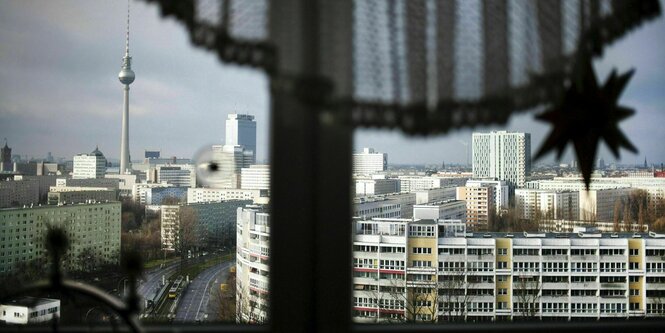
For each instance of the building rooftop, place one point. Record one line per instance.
(59, 206)
(30, 301)
(559, 235)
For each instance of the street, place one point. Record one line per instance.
(151, 282)
(194, 302)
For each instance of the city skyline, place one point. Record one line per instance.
(179, 104)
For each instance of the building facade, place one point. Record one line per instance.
(199, 195)
(562, 205)
(369, 161)
(501, 191)
(406, 271)
(91, 165)
(252, 263)
(93, 230)
(480, 208)
(183, 175)
(599, 205)
(29, 310)
(444, 210)
(376, 185)
(502, 155)
(74, 195)
(255, 177)
(204, 225)
(436, 195)
(15, 193)
(241, 131)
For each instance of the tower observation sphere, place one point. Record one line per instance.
(126, 76)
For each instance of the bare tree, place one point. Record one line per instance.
(188, 233)
(626, 217)
(248, 310)
(616, 218)
(455, 292)
(224, 300)
(641, 215)
(527, 290)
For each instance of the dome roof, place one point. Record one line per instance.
(96, 152)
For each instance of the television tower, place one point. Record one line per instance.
(126, 77)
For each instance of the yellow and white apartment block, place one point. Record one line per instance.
(403, 271)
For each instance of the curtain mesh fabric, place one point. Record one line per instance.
(427, 66)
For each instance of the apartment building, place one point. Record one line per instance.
(388, 205)
(501, 192)
(502, 155)
(15, 193)
(407, 270)
(598, 205)
(72, 195)
(436, 194)
(198, 195)
(252, 259)
(480, 208)
(208, 225)
(92, 228)
(532, 203)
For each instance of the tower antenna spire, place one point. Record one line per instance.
(127, 37)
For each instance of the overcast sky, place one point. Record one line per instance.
(59, 90)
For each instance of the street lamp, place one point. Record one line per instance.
(124, 286)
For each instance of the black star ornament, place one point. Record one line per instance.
(586, 115)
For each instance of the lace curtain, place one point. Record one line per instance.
(424, 66)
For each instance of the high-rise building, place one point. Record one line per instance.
(252, 259)
(126, 77)
(182, 175)
(369, 161)
(91, 165)
(241, 131)
(502, 155)
(479, 205)
(255, 177)
(501, 191)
